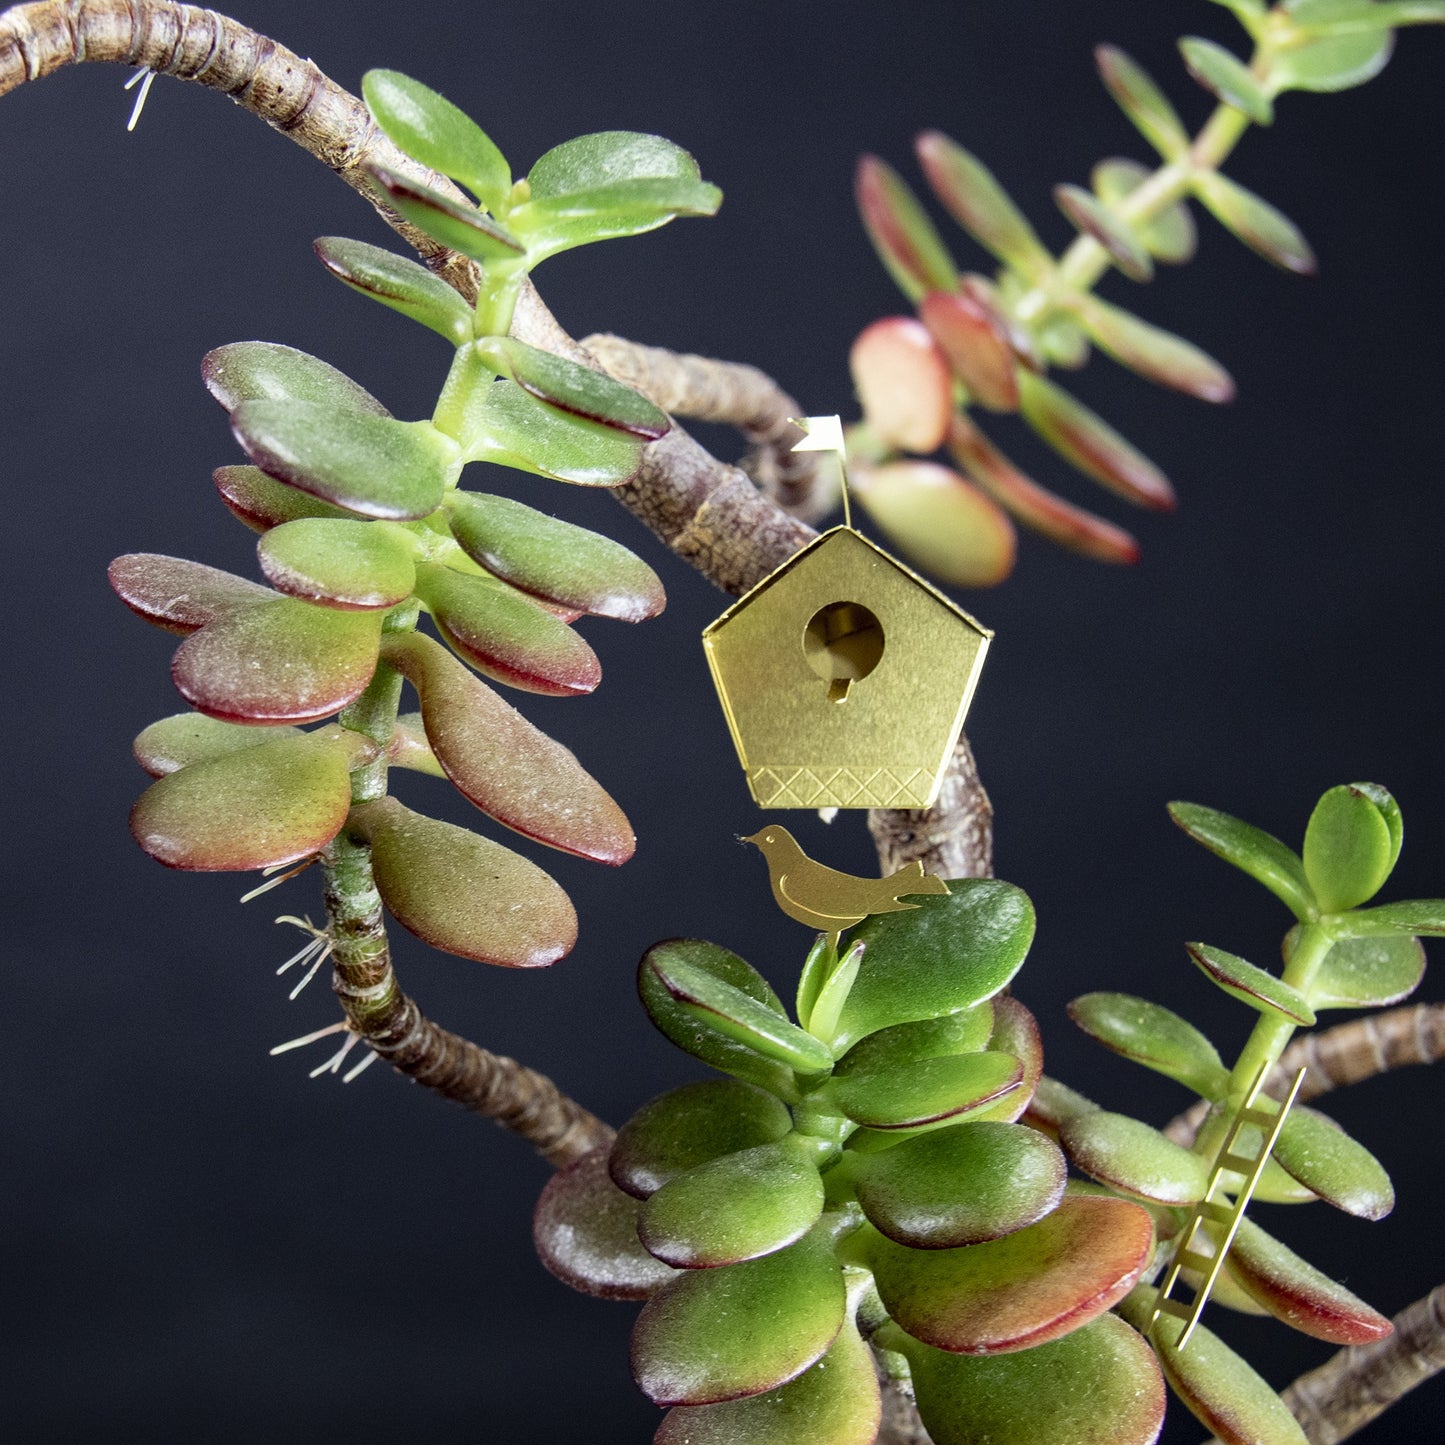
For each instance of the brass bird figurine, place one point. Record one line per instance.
(828, 900)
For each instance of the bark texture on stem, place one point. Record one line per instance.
(953, 838)
(392, 1026)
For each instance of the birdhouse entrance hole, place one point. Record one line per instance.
(843, 643)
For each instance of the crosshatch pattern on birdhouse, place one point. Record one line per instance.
(845, 679)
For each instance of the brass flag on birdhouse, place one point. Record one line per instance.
(844, 676)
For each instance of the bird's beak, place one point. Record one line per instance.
(756, 839)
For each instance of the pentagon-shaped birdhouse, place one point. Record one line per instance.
(845, 679)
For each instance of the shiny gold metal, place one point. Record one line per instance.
(1234, 1157)
(828, 900)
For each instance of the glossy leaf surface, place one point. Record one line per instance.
(185, 738)
(1227, 78)
(1142, 101)
(1023, 1290)
(961, 1185)
(1096, 1386)
(902, 235)
(511, 770)
(274, 803)
(1115, 235)
(902, 1045)
(338, 563)
(553, 559)
(947, 954)
(178, 595)
(973, 335)
(1251, 850)
(585, 1231)
(460, 227)
(931, 1092)
(1258, 224)
(1316, 1152)
(400, 283)
(1260, 990)
(1016, 1032)
(1349, 849)
(267, 371)
(1333, 62)
(515, 430)
(1159, 355)
(903, 383)
(1153, 1036)
(697, 1340)
(261, 502)
(689, 1126)
(1368, 973)
(1391, 920)
(1133, 1158)
(463, 893)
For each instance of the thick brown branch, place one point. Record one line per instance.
(953, 838)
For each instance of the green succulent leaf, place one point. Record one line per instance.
(741, 1206)
(1032, 1286)
(512, 771)
(371, 465)
(932, 1092)
(698, 1341)
(974, 335)
(961, 1185)
(1220, 1388)
(834, 1402)
(1016, 1032)
(695, 1033)
(1314, 1150)
(1093, 218)
(1091, 444)
(1350, 16)
(1251, 850)
(1251, 985)
(340, 563)
(254, 808)
(1136, 1160)
(900, 1047)
(1333, 62)
(972, 195)
(833, 994)
(1298, 1293)
(178, 595)
(506, 635)
(1227, 78)
(685, 1127)
(1350, 848)
(1255, 222)
(458, 226)
(1153, 1036)
(1389, 920)
(430, 129)
(513, 429)
(902, 235)
(462, 893)
(1054, 1104)
(186, 738)
(266, 371)
(1154, 353)
(948, 953)
(554, 560)
(261, 502)
(1368, 972)
(585, 1230)
(1171, 236)
(1141, 99)
(409, 747)
(400, 283)
(1099, 1385)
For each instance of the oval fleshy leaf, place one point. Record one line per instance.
(834, 1402)
(1220, 1388)
(585, 1231)
(261, 502)
(1299, 1294)
(946, 954)
(554, 560)
(1251, 850)
(973, 336)
(973, 197)
(1136, 1160)
(580, 390)
(430, 129)
(1368, 973)
(463, 893)
(1349, 849)
(1153, 353)
(1333, 62)
(903, 1045)
(1393, 920)
(512, 771)
(698, 1341)
(689, 1126)
(695, 1036)
(178, 595)
(1260, 990)
(1171, 236)
(1099, 1385)
(1153, 1036)
(1032, 1286)
(1257, 223)
(741, 1206)
(275, 803)
(516, 430)
(962, 1185)
(505, 635)
(372, 465)
(400, 283)
(350, 565)
(1314, 1150)
(268, 371)
(941, 523)
(1116, 236)
(409, 747)
(457, 226)
(1142, 101)
(903, 383)
(185, 738)
(606, 159)
(931, 1093)
(902, 235)
(280, 661)
(1090, 444)
(1016, 1032)
(1227, 78)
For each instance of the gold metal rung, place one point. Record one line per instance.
(1215, 1212)
(1192, 1259)
(1174, 1307)
(1237, 1162)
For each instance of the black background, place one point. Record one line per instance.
(202, 1244)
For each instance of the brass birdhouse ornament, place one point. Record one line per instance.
(843, 675)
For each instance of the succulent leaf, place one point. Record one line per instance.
(1153, 1036)
(931, 1093)
(1171, 236)
(1016, 1032)
(974, 334)
(1314, 1150)
(1251, 850)
(457, 226)
(1136, 1160)
(1392, 920)
(1093, 218)
(1368, 973)
(1253, 986)
(516, 430)
(902, 235)
(903, 1045)
(340, 563)
(1350, 848)
(1154, 353)
(184, 738)
(261, 502)
(903, 383)
(1257, 223)
(1142, 101)
(1227, 78)
(181, 596)
(1333, 62)
(267, 371)
(400, 283)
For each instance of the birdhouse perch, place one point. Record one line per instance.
(845, 679)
